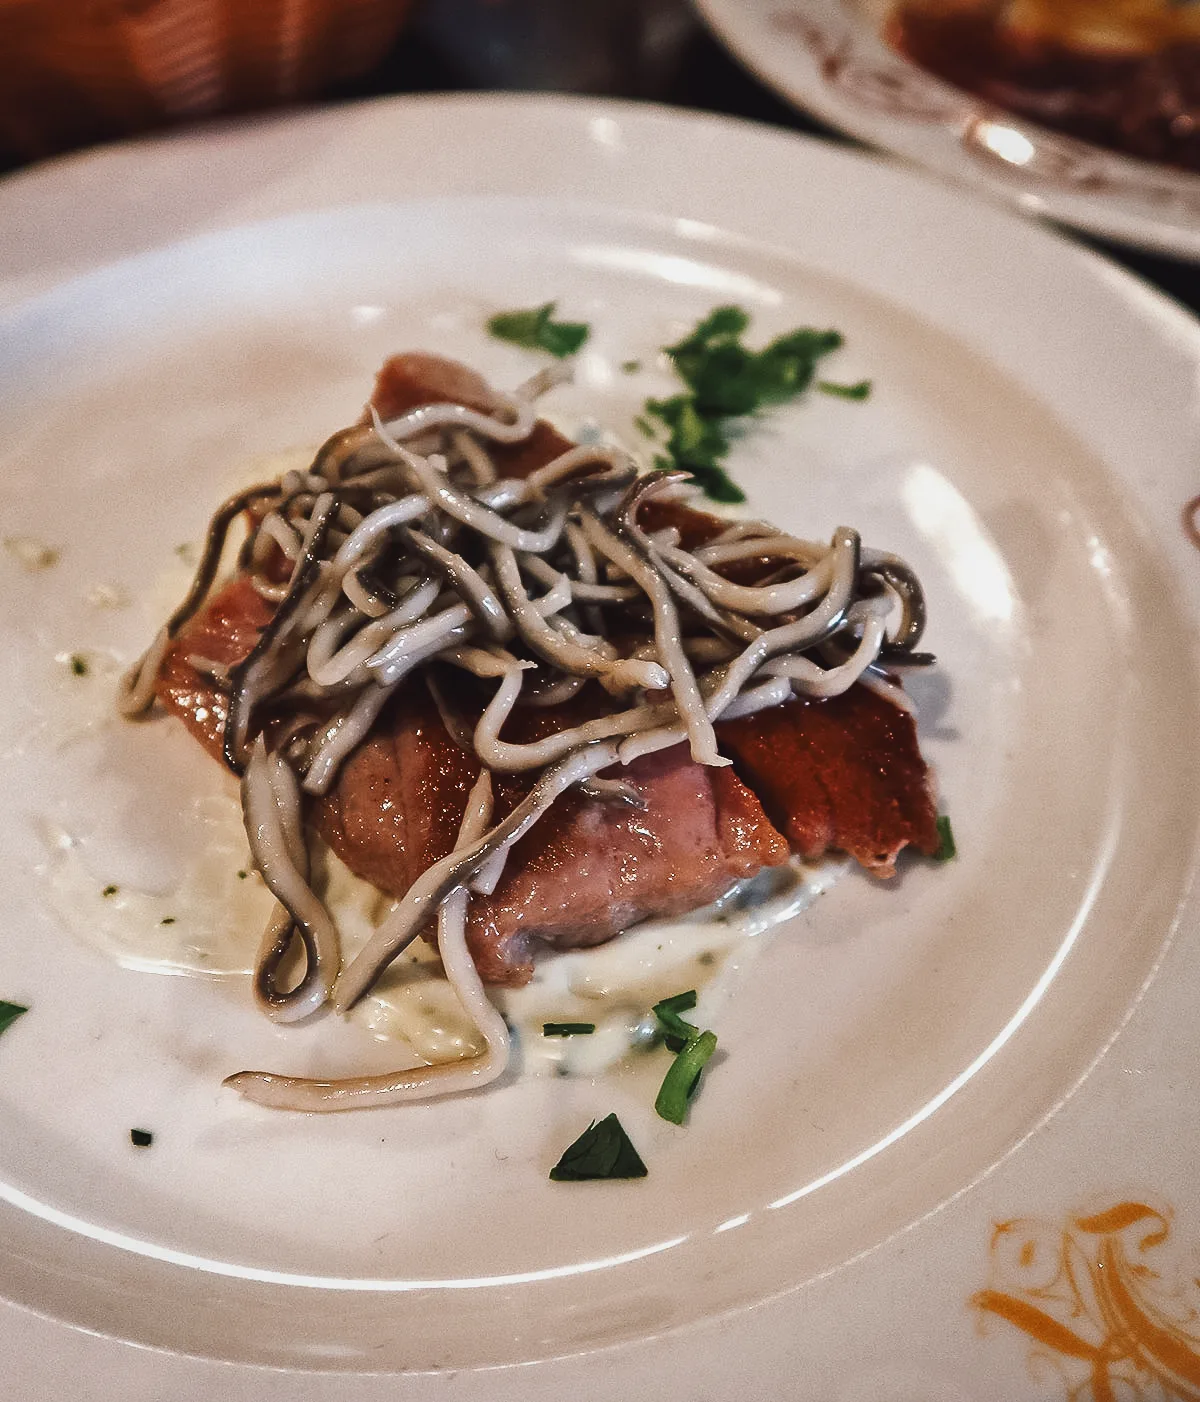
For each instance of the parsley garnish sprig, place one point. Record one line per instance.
(727, 381)
(535, 329)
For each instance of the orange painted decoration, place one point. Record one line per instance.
(1094, 1301)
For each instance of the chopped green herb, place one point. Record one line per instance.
(862, 390)
(947, 847)
(727, 378)
(9, 1012)
(242, 875)
(680, 1082)
(79, 664)
(602, 1151)
(536, 329)
(110, 890)
(567, 1029)
(643, 425)
(167, 920)
(631, 367)
(693, 1049)
(727, 381)
(696, 444)
(142, 1138)
(676, 1032)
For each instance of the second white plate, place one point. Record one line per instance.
(829, 57)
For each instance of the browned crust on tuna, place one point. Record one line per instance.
(843, 774)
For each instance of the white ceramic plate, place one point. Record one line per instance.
(829, 57)
(170, 310)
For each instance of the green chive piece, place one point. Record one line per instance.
(676, 1032)
(631, 367)
(679, 1084)
(947, 847)
(141, 1138)
(79, 664)
(242, 875)
(567, 1029)
(536, 329)
(9, 1012)
(862, 390)
(167, 920)
(602, 1151)
(110, 890)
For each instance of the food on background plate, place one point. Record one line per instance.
(1123, 74)
(531, 694)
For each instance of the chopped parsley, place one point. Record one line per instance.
(862, 390)
(9, 1012)
(680, 1082)
(79, 664)
(631, 367)
(727, 381)
(242, 875)
(567, 1029)
(536, 329)
(602, 1151)
(141, 1138)
(947, 848)
(695, 443)
(167, 920)
(110, 890)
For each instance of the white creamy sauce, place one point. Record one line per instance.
(84, 686)
(209, 923)
(616, 985)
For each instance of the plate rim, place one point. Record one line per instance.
(24, 276)
(1163, 306)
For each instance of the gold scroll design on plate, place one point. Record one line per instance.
(862, 66)
(855, 63)
(1093, 1298)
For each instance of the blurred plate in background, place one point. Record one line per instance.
(829, 57)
